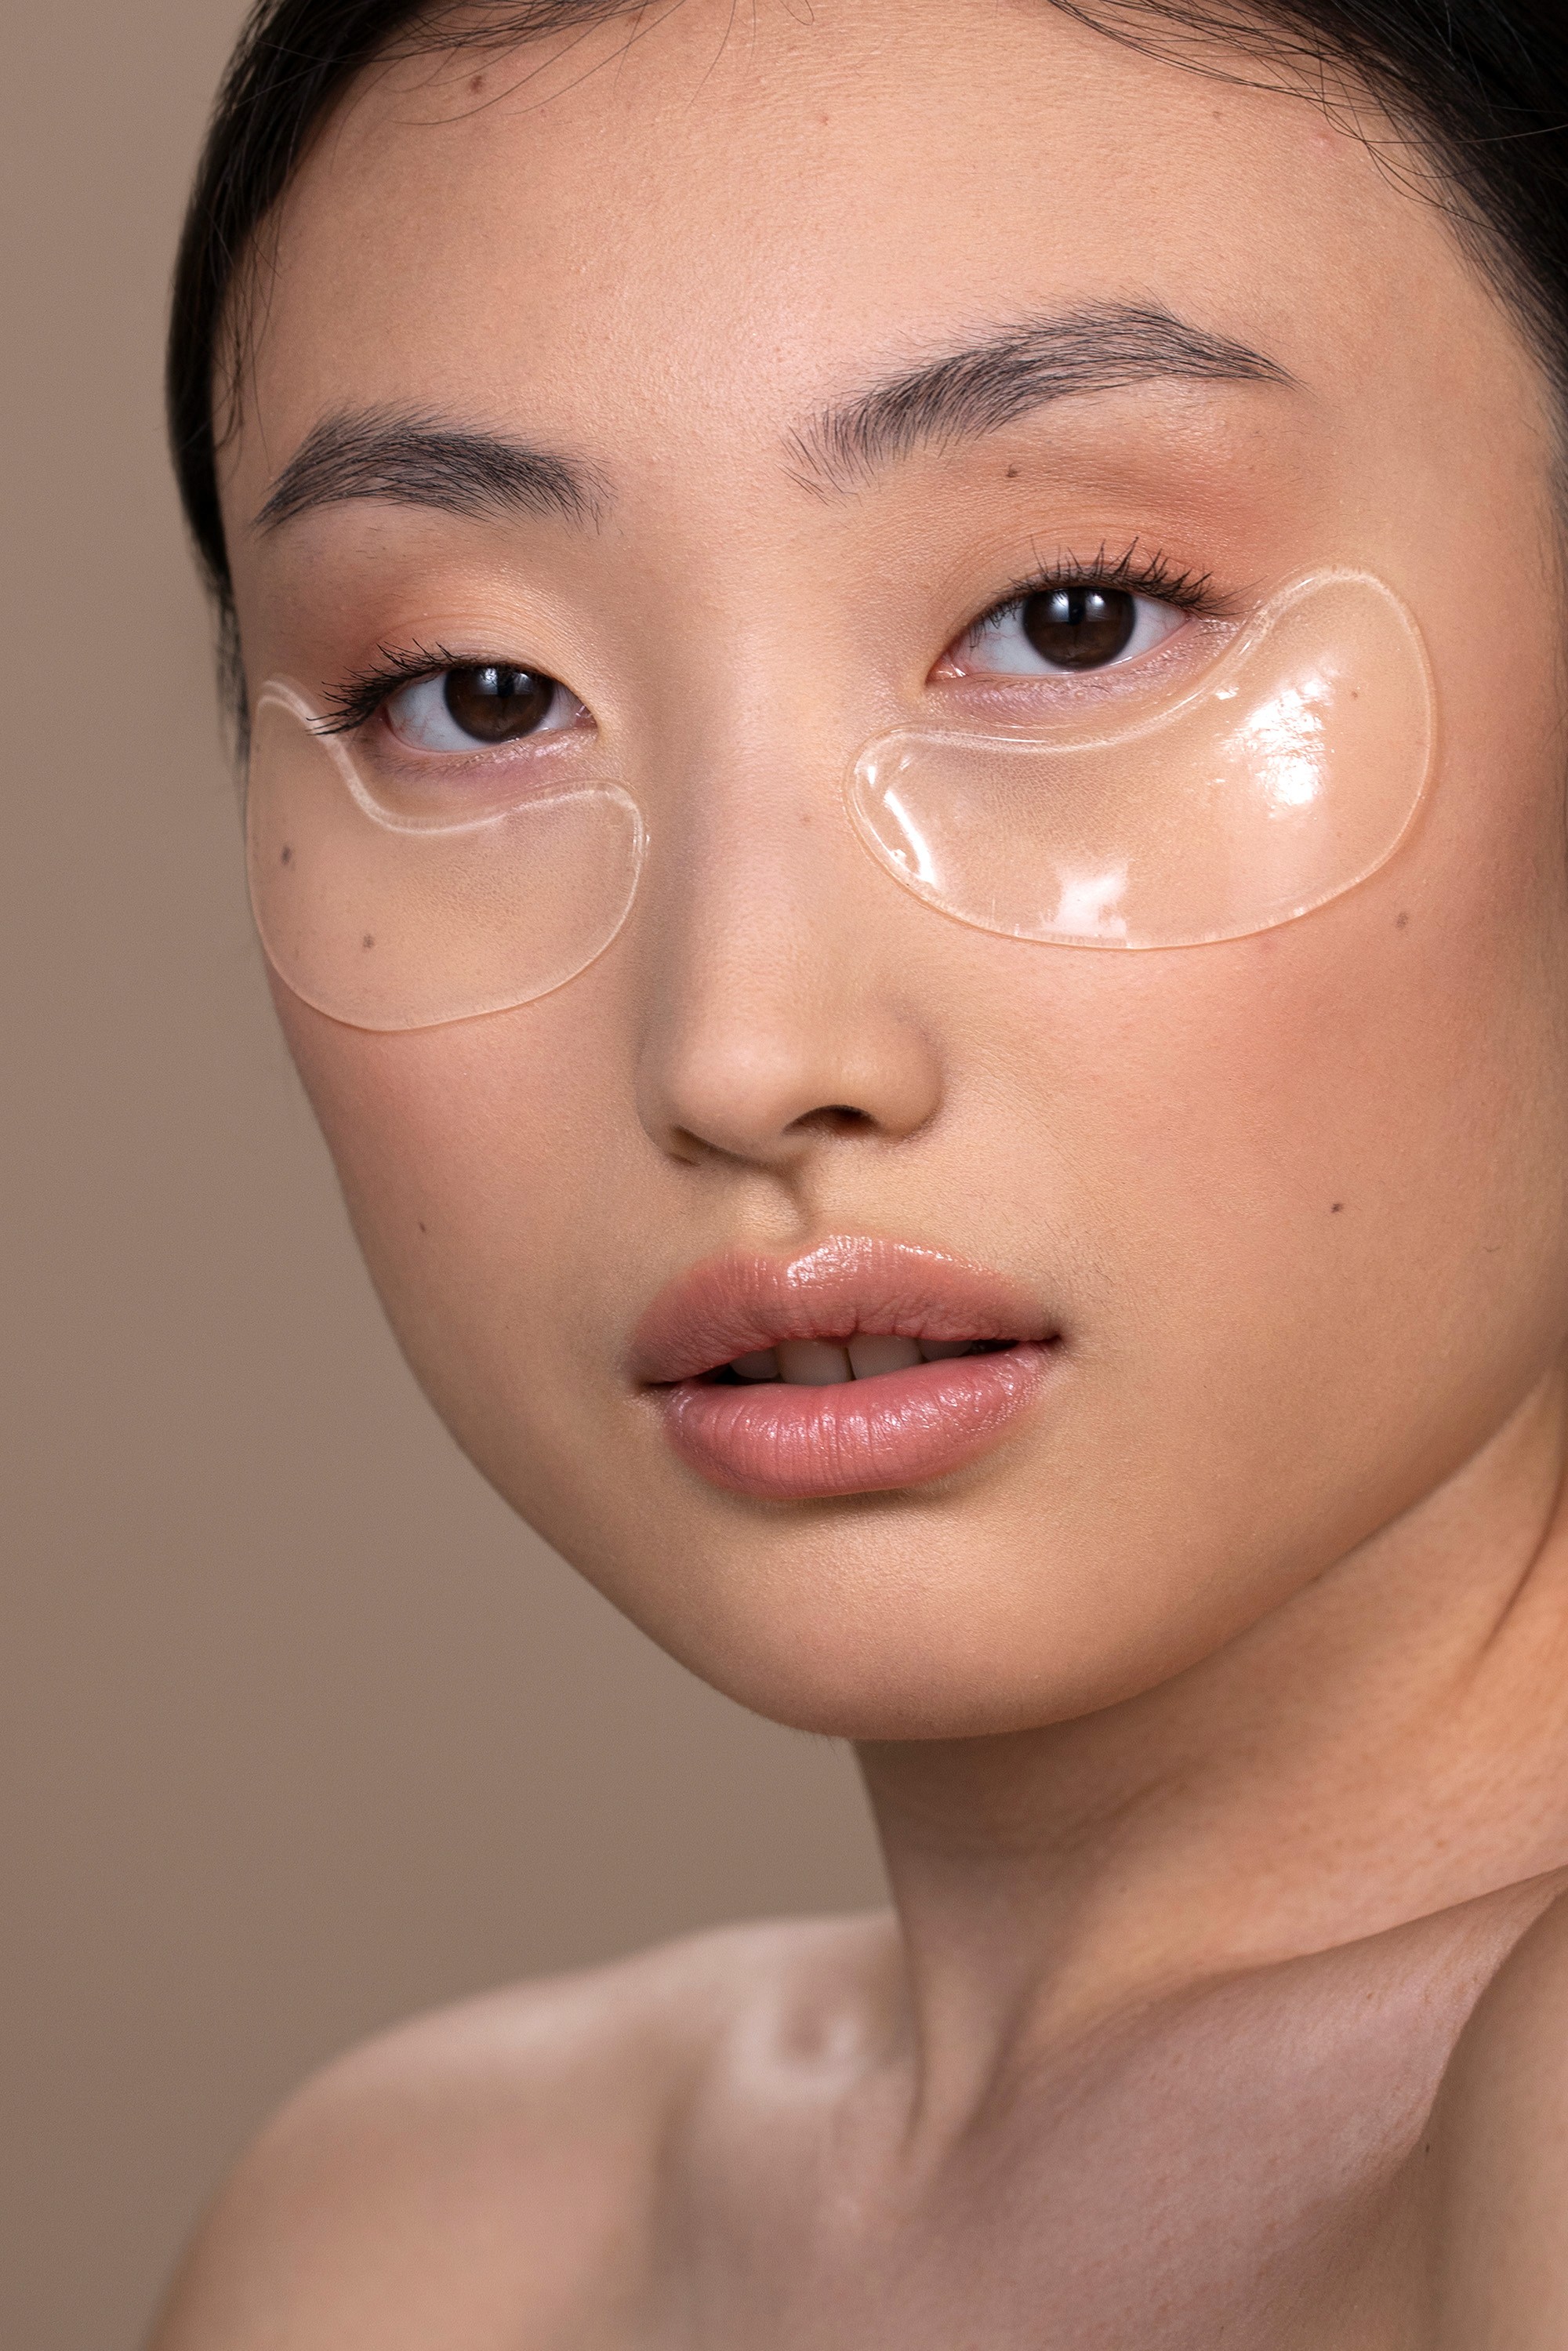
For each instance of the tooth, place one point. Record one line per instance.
(762, 1365)
(812, 1364)
(874, 1354)
(934, 1350)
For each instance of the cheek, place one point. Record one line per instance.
(1318, 1176)
(464, 1154)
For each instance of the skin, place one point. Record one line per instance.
(1215, 1723)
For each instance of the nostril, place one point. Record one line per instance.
(833, 1118)
(698, 1148)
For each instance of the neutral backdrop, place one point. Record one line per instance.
(300, 1729)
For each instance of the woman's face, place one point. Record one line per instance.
(1287, 1211)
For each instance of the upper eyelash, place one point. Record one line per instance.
(357, 697)
(1132, 571)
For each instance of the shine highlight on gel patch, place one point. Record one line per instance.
(1288, 773)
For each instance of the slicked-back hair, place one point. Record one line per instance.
(1478, 88)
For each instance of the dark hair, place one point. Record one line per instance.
(1481, 87)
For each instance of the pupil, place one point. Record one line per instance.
(493, 705)
(1079, 628)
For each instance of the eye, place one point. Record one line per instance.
(1057, 631)
(463, 709)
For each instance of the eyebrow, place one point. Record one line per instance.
(408, 457)
(411, 459)
(963, 394)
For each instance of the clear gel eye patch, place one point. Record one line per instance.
(404, 904)
(1287, 775)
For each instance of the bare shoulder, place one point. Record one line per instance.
(1498, 2158)
(485, 2176)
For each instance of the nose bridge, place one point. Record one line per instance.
(751, 825)
(773, 1004)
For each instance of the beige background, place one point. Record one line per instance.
(298, 1730)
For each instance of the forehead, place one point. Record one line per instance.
(662, 241)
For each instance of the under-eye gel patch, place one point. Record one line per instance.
(1287, 774)
(402, 895)
(411, 902)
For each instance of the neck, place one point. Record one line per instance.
(1389, 1742)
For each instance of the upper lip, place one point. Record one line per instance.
(737, 1303)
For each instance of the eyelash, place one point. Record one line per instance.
(1134, 572)
(355, 699)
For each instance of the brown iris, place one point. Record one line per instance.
(1079, 628)
(493, 705)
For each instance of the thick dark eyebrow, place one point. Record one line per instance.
(962, 394)
(414, 460)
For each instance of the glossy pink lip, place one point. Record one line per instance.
(784, 1443)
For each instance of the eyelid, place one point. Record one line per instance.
(412, 730)
(981, 655)
(1153, 575)
(360, 694)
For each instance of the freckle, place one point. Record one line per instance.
(1402, 919)
(287, 857)
(1335, 1207)
(369, 939)
(476, 85)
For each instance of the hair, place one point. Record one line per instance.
(1478, 90)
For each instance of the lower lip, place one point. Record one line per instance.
(787, 1444)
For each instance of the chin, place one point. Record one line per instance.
(958, 1613)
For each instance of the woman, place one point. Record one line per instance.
(904, 667)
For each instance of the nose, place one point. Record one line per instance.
(780, 1013)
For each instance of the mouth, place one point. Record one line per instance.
(827, 1364)
(860, 1366)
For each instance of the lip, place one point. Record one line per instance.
(783, 1442)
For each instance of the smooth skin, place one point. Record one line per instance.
(1217, 1722)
